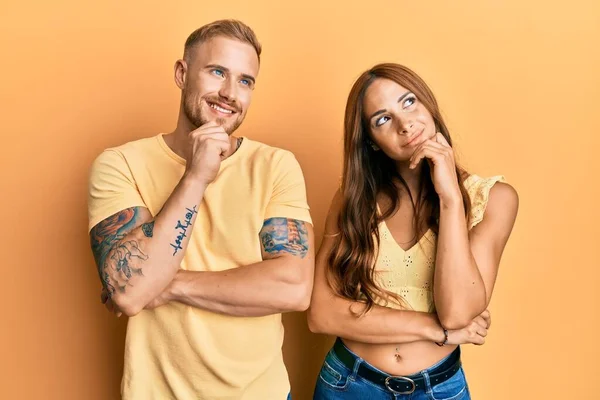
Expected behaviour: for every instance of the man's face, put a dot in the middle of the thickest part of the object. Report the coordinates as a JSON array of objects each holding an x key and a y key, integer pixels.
[{"x": 219, "y": 82}]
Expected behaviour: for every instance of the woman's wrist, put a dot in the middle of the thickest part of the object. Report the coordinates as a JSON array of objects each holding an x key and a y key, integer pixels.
[
  {"x": 444, "y": 340},
  {"x": 452, "y": 202},
  {"x": 435, "y": 333}
]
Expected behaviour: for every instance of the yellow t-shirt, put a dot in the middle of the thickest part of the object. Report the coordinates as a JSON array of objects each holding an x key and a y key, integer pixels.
[
  {"x": 181, "y": 352},
  {"x": 409, "y": 273}
]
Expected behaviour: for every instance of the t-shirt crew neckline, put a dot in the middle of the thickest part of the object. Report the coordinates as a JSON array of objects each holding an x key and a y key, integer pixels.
[{"x": 181, "y": 160}]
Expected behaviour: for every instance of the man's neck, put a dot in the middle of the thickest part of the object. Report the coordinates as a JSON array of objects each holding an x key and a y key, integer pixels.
[{"x": 178, "y": 142}]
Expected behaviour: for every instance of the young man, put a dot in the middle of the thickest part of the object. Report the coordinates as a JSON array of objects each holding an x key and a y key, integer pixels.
[{"x": 203, "y": 238}]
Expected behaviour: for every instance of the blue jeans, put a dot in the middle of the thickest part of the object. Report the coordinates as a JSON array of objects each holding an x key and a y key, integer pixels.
[{"x": 338, "y": 382}]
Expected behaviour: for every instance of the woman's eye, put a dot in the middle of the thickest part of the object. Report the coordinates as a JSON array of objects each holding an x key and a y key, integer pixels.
[
  {"x": 382, "y": 121},
  {"x": 409, "y": 101}
]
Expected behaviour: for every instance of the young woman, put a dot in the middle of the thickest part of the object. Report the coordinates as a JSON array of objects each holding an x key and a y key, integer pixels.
[{"x": 411, "y": 250}]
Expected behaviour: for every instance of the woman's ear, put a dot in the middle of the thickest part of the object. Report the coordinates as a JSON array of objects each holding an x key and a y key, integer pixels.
[{"x": 373, "y": 145}]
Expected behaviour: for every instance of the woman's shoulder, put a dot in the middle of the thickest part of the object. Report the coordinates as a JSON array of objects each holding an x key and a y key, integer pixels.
[{"x": 492, "y": 191}]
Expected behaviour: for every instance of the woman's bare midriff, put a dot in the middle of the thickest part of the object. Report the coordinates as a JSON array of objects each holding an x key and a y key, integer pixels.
[{"x": 413, "y": 357}]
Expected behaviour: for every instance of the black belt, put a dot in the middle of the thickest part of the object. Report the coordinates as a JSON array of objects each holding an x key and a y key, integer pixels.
[{"x": 399, "y": 384}]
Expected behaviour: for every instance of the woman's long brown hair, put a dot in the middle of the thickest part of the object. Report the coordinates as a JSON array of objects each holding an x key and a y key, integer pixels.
[{"x": 368, "y": 173}]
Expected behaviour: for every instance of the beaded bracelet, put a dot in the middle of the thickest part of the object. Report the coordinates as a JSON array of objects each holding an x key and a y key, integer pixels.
[{"x": 445, "y": 339}]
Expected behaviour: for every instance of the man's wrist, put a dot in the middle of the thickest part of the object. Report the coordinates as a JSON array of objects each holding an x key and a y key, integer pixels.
[
  {"x": 192, "y": 181},
  {"x": 177, "y": 286}
]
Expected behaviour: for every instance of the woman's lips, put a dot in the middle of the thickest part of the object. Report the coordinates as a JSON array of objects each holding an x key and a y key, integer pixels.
[{"x": 414, "y": 137}]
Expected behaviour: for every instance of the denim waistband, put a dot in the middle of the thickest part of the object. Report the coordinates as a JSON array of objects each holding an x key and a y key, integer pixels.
[{"x": 437, "y": 373}]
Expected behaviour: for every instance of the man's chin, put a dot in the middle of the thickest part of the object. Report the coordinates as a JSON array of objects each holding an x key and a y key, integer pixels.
[
  {"x": 230, "y": 127},
  {"x": 223, "y": 123},
  {"x": 227, "y": 125}
]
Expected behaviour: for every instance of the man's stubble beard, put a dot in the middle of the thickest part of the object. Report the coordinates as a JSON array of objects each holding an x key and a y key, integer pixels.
[{"x": 193, "y": 111}]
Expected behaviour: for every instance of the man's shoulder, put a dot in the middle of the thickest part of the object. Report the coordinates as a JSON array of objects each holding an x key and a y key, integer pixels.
[
  {"x": 123, "y": 157},
  {"x": 267, "y": 153},
  {"x": 143, "y": 145}
]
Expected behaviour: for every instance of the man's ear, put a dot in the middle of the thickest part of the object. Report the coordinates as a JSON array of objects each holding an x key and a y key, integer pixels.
[{"x": 180, "y": 73}]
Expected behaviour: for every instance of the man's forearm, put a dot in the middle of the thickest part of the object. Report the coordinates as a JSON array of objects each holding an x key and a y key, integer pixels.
[
  {"x": 272, "y": 286},
  {"x": 138, "y": 266}
]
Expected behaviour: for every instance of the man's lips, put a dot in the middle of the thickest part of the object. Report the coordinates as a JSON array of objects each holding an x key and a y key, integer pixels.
[{"x": 221, "y": 107}]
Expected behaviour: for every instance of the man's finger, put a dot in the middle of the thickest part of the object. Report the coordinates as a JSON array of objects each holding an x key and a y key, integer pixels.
[{"x": 210, "y": 123}]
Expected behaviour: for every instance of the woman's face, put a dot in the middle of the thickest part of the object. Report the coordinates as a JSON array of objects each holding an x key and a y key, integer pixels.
[{"x": 398, "y": 122}]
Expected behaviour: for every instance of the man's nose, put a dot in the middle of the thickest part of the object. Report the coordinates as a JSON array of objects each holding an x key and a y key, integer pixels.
[{"x": 227, "y": 90}]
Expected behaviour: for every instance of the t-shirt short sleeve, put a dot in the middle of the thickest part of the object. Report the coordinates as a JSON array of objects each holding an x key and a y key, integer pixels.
[
  {"x": 112, "y": 187},
  {"x": 288, "y": 199}
]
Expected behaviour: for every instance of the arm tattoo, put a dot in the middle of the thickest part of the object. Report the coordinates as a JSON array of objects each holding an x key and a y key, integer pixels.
[
  {"x": 182, "y": 229},
  {"x": 148, "y": 229},
  {"x": 280, "y": 236},
  {"x": 113, "y": 255}
]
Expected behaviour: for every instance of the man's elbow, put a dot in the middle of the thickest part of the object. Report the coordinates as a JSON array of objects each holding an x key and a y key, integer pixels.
[
  {"x": 127, "y": 305},
  {"x": 301, "y": 297},
  {"x": 299, "y": 280}
]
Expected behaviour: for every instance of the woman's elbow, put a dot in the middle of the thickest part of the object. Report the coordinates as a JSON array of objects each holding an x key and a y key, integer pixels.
[
  {"x": 455, "y": 321},
  {"x": 459, "y": 318},
  {"x": 315, "y": 321},
  {"x": 320, "y": 318}
]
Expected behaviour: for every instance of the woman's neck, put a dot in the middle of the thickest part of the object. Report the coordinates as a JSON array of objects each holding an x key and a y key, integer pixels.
[{"x": 412, "y": 177}]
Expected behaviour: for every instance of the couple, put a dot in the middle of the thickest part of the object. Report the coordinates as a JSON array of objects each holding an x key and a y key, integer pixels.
[{"x": 203, "y": 239}]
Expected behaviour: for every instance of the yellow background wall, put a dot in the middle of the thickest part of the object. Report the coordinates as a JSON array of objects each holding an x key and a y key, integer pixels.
[{"x": 518, "y": 81}]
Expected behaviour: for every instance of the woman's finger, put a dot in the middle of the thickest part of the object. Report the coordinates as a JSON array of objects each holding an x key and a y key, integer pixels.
[
  {"x": 427, "y": 152},
  {"x": 441, "y": 140}
]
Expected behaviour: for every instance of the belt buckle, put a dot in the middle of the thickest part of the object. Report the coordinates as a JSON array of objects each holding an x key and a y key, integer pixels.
[{"x": 387, "y": 384}]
